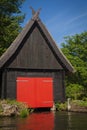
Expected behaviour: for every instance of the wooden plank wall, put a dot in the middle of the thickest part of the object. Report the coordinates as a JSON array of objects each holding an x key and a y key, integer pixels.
[
  {"x": 34, "y": 53},
  {"x": 34, "y": 58},
  {"x": 9, "y": 88}
]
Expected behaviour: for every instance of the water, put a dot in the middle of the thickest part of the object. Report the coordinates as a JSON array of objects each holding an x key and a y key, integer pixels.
[{"x": 46, "y": 121}]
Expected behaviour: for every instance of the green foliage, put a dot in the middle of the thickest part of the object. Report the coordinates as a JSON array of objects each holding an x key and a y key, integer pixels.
[
  {"x": 21, "y": 109},
  {"x": 61, "y": 106},
  {"x": 75, "y": 49},
  {"x": 24, "y": 113},
  {"x": 74, "y": 91},
  {"x": 80, "y": 103},
  {"x": 12, "y": 102},
  {"x": 10, "y": 19}
]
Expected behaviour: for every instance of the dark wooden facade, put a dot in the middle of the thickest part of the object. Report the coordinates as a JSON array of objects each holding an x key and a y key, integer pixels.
[{"x": 33, "y": 54}]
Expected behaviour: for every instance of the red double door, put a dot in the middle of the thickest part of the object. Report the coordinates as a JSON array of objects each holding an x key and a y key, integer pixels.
[{"x": 35, "y": 92}]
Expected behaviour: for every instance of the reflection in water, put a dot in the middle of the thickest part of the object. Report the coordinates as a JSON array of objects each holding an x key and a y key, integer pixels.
[
  {"x": 7, "y": 123},
  {"x": 46, "y": 121},
  {"x": 38, "y": 121},
  {"x": 70, "y": 121},
  {"x": 61, "y": 121},
  {"x": 77, "y": 121}
]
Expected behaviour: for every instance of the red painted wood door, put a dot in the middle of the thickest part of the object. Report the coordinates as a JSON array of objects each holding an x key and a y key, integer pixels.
[{"x": 35, "y": 92}]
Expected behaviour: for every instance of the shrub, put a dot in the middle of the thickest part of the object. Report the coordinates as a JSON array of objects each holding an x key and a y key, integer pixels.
[
  {"x": 24, "y": 113},
  {"x": 61, "y": 106}
]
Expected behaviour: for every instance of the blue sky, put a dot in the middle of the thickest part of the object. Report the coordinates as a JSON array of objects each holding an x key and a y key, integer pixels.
[{"x": 61, "y": 17}]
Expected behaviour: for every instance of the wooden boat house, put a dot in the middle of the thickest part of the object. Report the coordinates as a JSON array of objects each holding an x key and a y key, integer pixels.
[{"x": 33, "y": 68}]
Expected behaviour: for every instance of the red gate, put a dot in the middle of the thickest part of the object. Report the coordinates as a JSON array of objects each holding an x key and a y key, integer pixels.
[{"x": 35, "y": 92}]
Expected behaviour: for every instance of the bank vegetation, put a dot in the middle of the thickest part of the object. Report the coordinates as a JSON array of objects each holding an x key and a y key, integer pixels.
[{"x": 13, "y": 108}]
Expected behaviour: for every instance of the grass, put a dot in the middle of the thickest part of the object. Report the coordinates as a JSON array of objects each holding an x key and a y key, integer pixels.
[{"x": 24, "y": 113}]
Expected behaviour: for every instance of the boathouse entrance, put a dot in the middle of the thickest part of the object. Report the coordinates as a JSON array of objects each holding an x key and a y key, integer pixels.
[{"x": 35, "y": 92}]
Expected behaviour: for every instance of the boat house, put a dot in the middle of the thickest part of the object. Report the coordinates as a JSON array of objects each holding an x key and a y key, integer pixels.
[{"x": 33, "y": 68}]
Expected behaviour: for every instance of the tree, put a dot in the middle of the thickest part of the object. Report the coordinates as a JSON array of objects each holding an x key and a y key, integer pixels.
[
  {"x": 75, "y": 49},
  {"x": 74, "y": 91},
  {"x": 10, "y": 19}
]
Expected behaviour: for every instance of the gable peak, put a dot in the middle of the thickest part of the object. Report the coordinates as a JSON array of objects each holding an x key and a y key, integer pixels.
[{"x": 35, "y": 14}]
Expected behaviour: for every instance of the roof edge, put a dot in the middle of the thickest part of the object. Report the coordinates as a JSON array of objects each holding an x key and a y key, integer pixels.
[
  {"x": 15, "y": 44},
  {"x": 57, "y": 49},
  {"x": 13, "y": 47}
]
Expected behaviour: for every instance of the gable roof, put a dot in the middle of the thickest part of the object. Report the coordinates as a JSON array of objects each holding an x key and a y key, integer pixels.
[{"x": 16, "y": 43}]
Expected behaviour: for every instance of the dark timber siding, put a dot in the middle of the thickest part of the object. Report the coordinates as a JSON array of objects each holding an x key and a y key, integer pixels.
[
  {"x": 9, "y": 88},
  {"x": 35, "y": 53}
]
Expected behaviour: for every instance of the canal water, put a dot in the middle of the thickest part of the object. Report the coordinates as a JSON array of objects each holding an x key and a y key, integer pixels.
[{"x": 46, "y": 121}]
